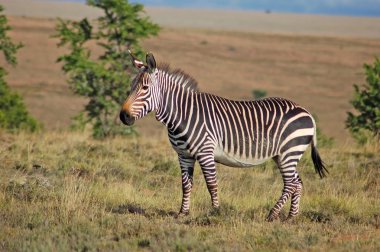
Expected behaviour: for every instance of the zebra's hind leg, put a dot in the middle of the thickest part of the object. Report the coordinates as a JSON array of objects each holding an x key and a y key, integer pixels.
[
  {"x": 292, "y": 187},
  {"x": 296, "y": 197}
]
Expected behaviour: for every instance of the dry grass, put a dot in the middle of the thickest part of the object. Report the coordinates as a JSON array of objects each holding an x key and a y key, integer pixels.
[{"x": 64, "y": 191}]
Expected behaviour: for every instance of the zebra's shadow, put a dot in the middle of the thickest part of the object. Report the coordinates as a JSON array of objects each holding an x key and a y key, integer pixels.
[{"x": 131, "y": 208}]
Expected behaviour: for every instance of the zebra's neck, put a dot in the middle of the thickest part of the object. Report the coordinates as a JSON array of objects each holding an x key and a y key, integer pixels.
[{"x": 177, "y": 93}]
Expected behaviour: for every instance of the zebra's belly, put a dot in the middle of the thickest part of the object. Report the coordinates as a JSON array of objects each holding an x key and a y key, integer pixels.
[{"x": 225, "y": 158}]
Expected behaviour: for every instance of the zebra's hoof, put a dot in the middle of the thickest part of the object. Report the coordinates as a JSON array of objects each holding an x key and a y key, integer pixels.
[
  {"x": 271, "y": 217},
  {"x": 215, "y": 211},
  {"x": 290, "y": 218},
  {"x": 182, "y": 214}
]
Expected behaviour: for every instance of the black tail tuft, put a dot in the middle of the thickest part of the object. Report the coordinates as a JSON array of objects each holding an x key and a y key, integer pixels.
[{"x": 318, "y": 163}]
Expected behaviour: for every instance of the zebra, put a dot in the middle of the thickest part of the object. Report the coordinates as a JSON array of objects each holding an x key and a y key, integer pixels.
[{"x": 210, "y": 129}]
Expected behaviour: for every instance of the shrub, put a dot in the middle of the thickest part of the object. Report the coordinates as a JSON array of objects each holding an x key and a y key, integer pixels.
[
  {"x": 367, "y": 103},
  {"x": 13, "y": 113},
  {"x": 106, "y": 79},
  {"x": 258, "y": 93}
]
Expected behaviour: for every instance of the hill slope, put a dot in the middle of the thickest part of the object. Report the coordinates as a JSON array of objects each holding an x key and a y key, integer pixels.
[
  {"x": 222, "y": 20},
  {"x": 316, "y": 72}
]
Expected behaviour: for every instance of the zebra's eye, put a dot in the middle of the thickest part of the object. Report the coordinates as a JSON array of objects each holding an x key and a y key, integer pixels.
[{"x": 145, "y": 87}]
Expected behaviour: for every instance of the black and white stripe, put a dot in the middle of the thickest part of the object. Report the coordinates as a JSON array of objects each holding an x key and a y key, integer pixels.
[{"x": 210, "y": 129}]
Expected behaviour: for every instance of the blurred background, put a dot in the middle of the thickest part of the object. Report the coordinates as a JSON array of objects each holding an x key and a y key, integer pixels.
[{"x": 309, "y": 52}]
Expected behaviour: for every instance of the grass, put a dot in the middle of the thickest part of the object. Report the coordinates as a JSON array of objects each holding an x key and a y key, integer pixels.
[{"x": 65, "y": 191}]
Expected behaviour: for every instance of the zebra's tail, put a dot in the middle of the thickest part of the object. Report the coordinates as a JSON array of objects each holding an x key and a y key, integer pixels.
[{"x": 319, "y": 165}]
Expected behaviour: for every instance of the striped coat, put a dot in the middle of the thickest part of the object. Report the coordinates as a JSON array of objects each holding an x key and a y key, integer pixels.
[{"x": 210, "y": 129}]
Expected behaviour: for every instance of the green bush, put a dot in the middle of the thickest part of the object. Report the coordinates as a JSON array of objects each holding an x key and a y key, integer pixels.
[
  {"x": 13, "y": 113},
  {"x": 366, "y": 103},
  {"x": 106, "y": 79},
  {"x": 259, "y": 93}
]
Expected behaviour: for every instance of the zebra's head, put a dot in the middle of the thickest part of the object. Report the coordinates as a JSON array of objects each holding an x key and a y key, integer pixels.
[{"x": 139, "y": 101}]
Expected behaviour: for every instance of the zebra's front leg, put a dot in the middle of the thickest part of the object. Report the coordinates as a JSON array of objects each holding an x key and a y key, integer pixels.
[
  {"x": 207, "y": 163},
  {"x": 187, "y": 170}
]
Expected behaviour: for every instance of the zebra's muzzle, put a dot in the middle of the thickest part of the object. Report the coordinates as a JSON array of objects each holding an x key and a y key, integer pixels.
[{"x": 126, "y": 118}]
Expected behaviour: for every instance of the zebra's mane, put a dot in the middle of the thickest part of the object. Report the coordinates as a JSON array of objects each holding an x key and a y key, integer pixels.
[{"x": 186, "y": 80}]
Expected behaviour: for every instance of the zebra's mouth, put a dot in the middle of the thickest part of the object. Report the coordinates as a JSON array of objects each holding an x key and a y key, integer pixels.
[{"x": 126, "y": 118}]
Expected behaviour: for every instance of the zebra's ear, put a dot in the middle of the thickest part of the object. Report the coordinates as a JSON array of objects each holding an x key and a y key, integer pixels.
[
  {"x": 150, "y": 61},
  {"x": 137, "y": 63}
]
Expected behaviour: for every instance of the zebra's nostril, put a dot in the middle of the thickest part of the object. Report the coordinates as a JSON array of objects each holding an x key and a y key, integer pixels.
[{"x": 126, "y": 118}]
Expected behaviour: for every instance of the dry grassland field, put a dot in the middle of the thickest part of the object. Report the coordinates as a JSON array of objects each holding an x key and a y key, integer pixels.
[{"x": 64, "y": 191}]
